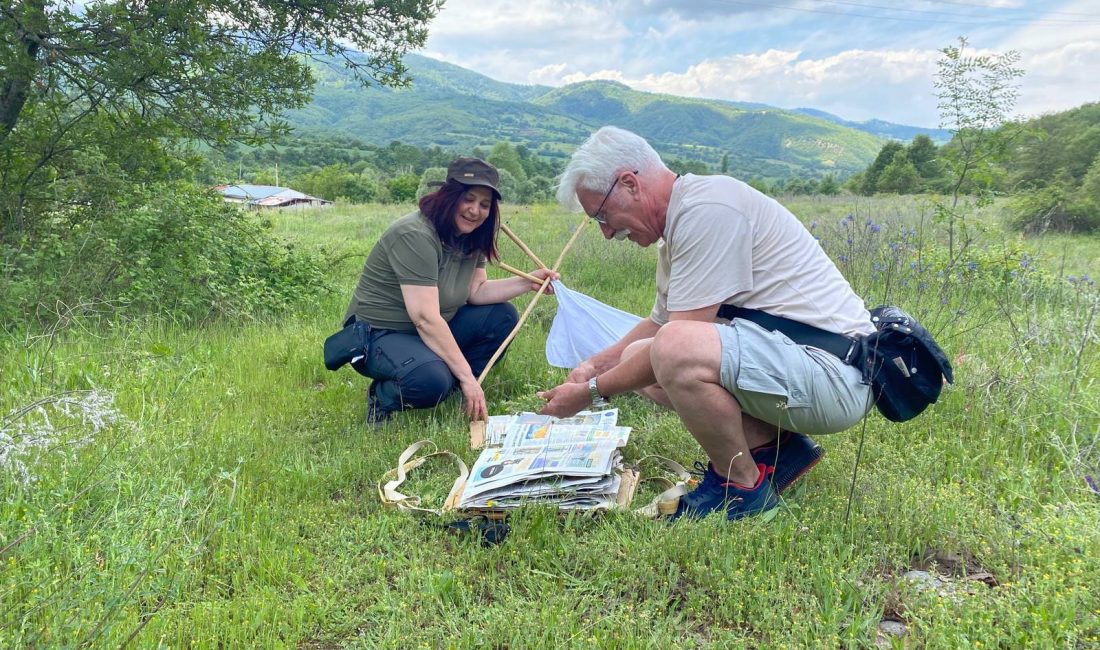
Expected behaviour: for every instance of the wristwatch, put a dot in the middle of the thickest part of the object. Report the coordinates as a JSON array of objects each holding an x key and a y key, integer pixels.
[{"x": 598, "y": 401}]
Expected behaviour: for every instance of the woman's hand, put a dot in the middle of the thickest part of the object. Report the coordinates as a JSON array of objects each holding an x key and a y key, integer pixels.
[
  {"x": 565, "y": 400},
  {"x": 473, "y": 399}
]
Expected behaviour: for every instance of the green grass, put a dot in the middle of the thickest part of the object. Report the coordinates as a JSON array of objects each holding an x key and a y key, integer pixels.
[{"x": 234, "y": 502}]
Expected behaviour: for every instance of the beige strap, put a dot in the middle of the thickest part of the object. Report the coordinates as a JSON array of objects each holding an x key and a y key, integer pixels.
[
  {"x": 408, "y": 461},
  {"x": 666, "y": 502}
]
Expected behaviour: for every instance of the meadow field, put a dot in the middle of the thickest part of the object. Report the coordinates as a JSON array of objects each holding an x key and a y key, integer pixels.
[{"x": 215, "y": 486}]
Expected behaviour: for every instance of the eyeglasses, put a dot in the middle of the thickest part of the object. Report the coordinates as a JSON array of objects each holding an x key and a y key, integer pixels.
[{"x": 598, "y": 215}]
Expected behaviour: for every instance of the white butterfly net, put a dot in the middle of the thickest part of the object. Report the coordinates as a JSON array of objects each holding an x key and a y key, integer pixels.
[{"x": 582, "y": 327}]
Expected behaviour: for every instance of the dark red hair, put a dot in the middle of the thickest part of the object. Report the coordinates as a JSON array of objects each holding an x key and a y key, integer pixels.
[{"x": 440, "y": 207}]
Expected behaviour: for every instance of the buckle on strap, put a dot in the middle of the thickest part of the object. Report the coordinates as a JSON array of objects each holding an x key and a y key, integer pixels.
[{"x": 849, "y": 357}]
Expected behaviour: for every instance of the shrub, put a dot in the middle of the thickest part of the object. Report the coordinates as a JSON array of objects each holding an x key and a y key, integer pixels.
[
  {"x": 169, "y": 250},
  {"x": 403, "y": 188},
  {"x": 430, "y": 180},
  {"x": 1057, "y": 207}
]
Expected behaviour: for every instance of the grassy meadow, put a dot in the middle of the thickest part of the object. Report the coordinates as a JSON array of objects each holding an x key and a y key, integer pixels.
[{"x": 215, "y": 487}]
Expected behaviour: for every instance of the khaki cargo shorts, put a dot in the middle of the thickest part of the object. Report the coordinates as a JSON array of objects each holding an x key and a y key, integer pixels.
[{"x": 797, "y": 387}]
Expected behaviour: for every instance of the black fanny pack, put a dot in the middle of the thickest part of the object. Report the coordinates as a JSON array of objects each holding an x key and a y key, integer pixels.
[
  {"x": 347, "y": 345},
  {"x": 904, "y": 365}
]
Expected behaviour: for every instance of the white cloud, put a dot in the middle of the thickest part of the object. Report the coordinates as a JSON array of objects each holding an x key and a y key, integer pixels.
[
  {"x": 548, "y": 75},
  {"x": 1060, "y": 78},
  {"x": 837, "y": 83},
  {"x": 1061, "y": 62},
  {"x": 772, "y": 54}
]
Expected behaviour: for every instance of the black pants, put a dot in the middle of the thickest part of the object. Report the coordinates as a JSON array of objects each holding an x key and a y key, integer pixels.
[{"x": 409, "y": 375}]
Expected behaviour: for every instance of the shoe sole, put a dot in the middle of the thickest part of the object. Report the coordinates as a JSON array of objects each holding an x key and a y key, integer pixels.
[{"x": 782, "y": 481}]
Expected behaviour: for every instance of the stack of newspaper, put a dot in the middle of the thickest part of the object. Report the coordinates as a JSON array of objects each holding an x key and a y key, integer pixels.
[{"x": 573, "y": 463}]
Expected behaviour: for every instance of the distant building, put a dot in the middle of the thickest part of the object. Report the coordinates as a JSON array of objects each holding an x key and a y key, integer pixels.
[{"x": 269, "y": 196}]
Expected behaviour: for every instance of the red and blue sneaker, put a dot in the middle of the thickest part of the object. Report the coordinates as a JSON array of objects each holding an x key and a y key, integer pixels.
[{"x": 717, "y": 493}]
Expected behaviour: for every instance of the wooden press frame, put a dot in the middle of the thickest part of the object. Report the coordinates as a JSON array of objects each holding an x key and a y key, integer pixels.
[{"x": 477, "y": 427}]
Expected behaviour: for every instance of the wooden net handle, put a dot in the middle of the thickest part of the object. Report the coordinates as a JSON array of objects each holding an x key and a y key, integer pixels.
[{"x": 531, "y": 306}]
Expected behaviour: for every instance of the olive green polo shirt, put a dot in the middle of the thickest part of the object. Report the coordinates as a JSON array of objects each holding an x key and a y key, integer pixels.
[{"x": 410, "y": 252}]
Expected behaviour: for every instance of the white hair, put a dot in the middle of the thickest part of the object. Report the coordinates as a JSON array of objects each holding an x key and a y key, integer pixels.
[{"x": 605, "y": 154}]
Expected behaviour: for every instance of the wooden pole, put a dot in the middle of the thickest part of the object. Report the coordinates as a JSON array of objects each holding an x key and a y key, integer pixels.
[
  {"x": 511, "y": 235},
  {"x": 523, "y": 274}
]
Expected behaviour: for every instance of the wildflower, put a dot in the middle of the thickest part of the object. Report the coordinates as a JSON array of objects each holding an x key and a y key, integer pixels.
[
  {"x": 30, "y": 433},
  {"x": 971, "y": 265},
  {"x": 813, "y": 224},
  {"x": 1072, "y": 279},
  {"x": 875, "y": 228}
]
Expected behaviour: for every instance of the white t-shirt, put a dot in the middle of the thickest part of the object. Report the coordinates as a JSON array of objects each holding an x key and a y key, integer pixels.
[{"x": 724, "y": 242}]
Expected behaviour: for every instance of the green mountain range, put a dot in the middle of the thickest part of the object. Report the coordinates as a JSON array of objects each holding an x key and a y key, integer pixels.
[{"x": 458, "y": 109}]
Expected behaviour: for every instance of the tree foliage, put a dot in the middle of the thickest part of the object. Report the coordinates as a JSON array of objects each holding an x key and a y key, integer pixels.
[
  {"x": 874, "y": 170},
  {"x": 900, "y": 176},
  {"x": 107, "y": 112},
  {"x": 84, "y": 76},
  {"x": 1056, "y": 172},
  {"x": 976, "y": 95},
  {"x": 504, "y": 157}
]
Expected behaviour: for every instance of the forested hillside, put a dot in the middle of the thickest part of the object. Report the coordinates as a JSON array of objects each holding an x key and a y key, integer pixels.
[
  {"x": 1050, "y": 165},
  {"x": 454, "y": 108}
]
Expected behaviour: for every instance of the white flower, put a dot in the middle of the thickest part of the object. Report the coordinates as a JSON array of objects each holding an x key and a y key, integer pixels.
[{"x": 57, "y": 424}]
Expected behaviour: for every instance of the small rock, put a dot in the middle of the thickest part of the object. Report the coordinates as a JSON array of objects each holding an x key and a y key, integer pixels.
[
  {"x": 922, "y": 579},
  {"x": 887, "y": 631}
]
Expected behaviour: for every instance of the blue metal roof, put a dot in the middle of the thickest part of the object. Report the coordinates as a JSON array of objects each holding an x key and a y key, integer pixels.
[{"x": 254, "y": 192}]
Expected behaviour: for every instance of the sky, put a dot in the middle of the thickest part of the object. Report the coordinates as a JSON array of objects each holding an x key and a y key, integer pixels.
[{"x": 857, "y": 59}]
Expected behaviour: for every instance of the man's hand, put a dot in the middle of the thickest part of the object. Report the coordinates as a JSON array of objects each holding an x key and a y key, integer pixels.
[
  {"x": 565, "y": 400},
  {"x": 583, "y": 372}
]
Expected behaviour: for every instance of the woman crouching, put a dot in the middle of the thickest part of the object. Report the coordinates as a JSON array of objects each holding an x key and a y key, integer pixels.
[{"x": 434, "y": 317}]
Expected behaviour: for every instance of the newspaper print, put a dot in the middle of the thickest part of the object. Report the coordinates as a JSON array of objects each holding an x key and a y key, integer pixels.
[{"x": 567, "y": 462}]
